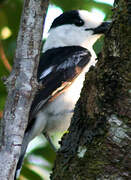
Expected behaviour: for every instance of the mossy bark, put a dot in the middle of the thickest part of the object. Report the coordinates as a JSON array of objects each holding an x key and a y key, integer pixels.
[{"x": 98, "y": 143}]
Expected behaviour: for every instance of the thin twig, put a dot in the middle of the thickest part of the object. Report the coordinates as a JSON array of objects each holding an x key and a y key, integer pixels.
[
  {"x": 4, "y": 59},
  {"x": 1, "y": 114}
]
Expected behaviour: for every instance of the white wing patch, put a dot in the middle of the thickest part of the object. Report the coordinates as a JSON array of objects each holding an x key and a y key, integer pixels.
[
  {"x": 46, "y": 72},
  {"x": 78, "y": 57},
  {"x": 74, "y": 60},
  {"x": 66, "y": 64}
]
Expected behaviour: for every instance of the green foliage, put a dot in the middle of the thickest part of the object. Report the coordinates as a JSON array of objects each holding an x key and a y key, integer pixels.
[
  {"x": 30, "y": 174},
  {"x": 10, "y": 12},
  {"x": 50, "y": 156},
  {"x": 83, "y": 4}
]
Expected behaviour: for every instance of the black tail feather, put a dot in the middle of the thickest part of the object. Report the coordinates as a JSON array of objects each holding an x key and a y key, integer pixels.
[
  {"x": 21, "y": 158},
  {"x": 18, "y": 167}
]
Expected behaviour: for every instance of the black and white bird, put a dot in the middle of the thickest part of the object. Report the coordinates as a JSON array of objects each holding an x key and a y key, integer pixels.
[{"x": 66, "y": 57}]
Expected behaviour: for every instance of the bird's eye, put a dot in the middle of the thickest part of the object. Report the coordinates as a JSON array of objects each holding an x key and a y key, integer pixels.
[{"x": 78, "y": 22}]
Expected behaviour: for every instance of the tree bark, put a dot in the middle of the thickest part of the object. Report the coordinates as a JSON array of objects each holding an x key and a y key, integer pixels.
[
  {"x": 98, "y": 144},
  {"x": 21, "y": 85}
]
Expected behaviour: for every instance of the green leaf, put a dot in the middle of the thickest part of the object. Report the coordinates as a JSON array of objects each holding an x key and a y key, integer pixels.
[
  {"x": 45, "y": 152},
  {"x": 98, "y": 45},
  {"x": 30, "y": 174}
]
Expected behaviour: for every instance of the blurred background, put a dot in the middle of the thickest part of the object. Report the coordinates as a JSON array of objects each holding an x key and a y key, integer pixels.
[{"x": 40, "y": 157}]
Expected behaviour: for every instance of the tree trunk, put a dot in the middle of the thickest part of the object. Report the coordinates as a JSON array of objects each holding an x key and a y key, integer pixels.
[
  {"x": 21, "y": 85},
  {"x": 98, "y": 145}
]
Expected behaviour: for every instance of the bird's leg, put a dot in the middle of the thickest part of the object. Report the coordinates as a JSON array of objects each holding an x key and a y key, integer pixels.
[{"x": 49, "y": 140}]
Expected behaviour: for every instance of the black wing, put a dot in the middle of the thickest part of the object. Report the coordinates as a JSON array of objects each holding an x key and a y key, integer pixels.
[{"x": 57, "y": 69}]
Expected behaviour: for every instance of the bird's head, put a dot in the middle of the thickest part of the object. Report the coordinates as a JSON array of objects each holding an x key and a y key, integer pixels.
[{"x": 75, "y": 28}]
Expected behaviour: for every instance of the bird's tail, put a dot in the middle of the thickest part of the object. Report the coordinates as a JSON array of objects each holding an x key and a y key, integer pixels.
[
  {"x": 21, "y": 158},
  {"x": 19, "y": 165}
]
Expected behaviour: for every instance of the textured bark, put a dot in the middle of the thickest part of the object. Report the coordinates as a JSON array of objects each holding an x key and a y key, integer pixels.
[
  {"x": 21, "y": 85},
  {"x": 98, "y": 145}
]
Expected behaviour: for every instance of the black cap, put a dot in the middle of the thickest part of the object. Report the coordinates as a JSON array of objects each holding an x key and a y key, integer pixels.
[{"x": 69, "y": 17}]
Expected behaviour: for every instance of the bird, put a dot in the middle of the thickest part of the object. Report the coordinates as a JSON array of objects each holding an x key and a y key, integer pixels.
[{"x": 66, "y": 56}]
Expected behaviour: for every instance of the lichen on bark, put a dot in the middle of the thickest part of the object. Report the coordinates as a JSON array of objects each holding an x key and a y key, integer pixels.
[{"x": 100, "y": 127}]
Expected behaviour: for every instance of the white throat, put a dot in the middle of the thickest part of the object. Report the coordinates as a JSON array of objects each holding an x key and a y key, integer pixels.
[{"x": 70, "y": 35}]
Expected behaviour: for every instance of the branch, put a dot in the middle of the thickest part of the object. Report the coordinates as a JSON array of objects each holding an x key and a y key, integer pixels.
[{"x": 21, "y": 85}]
